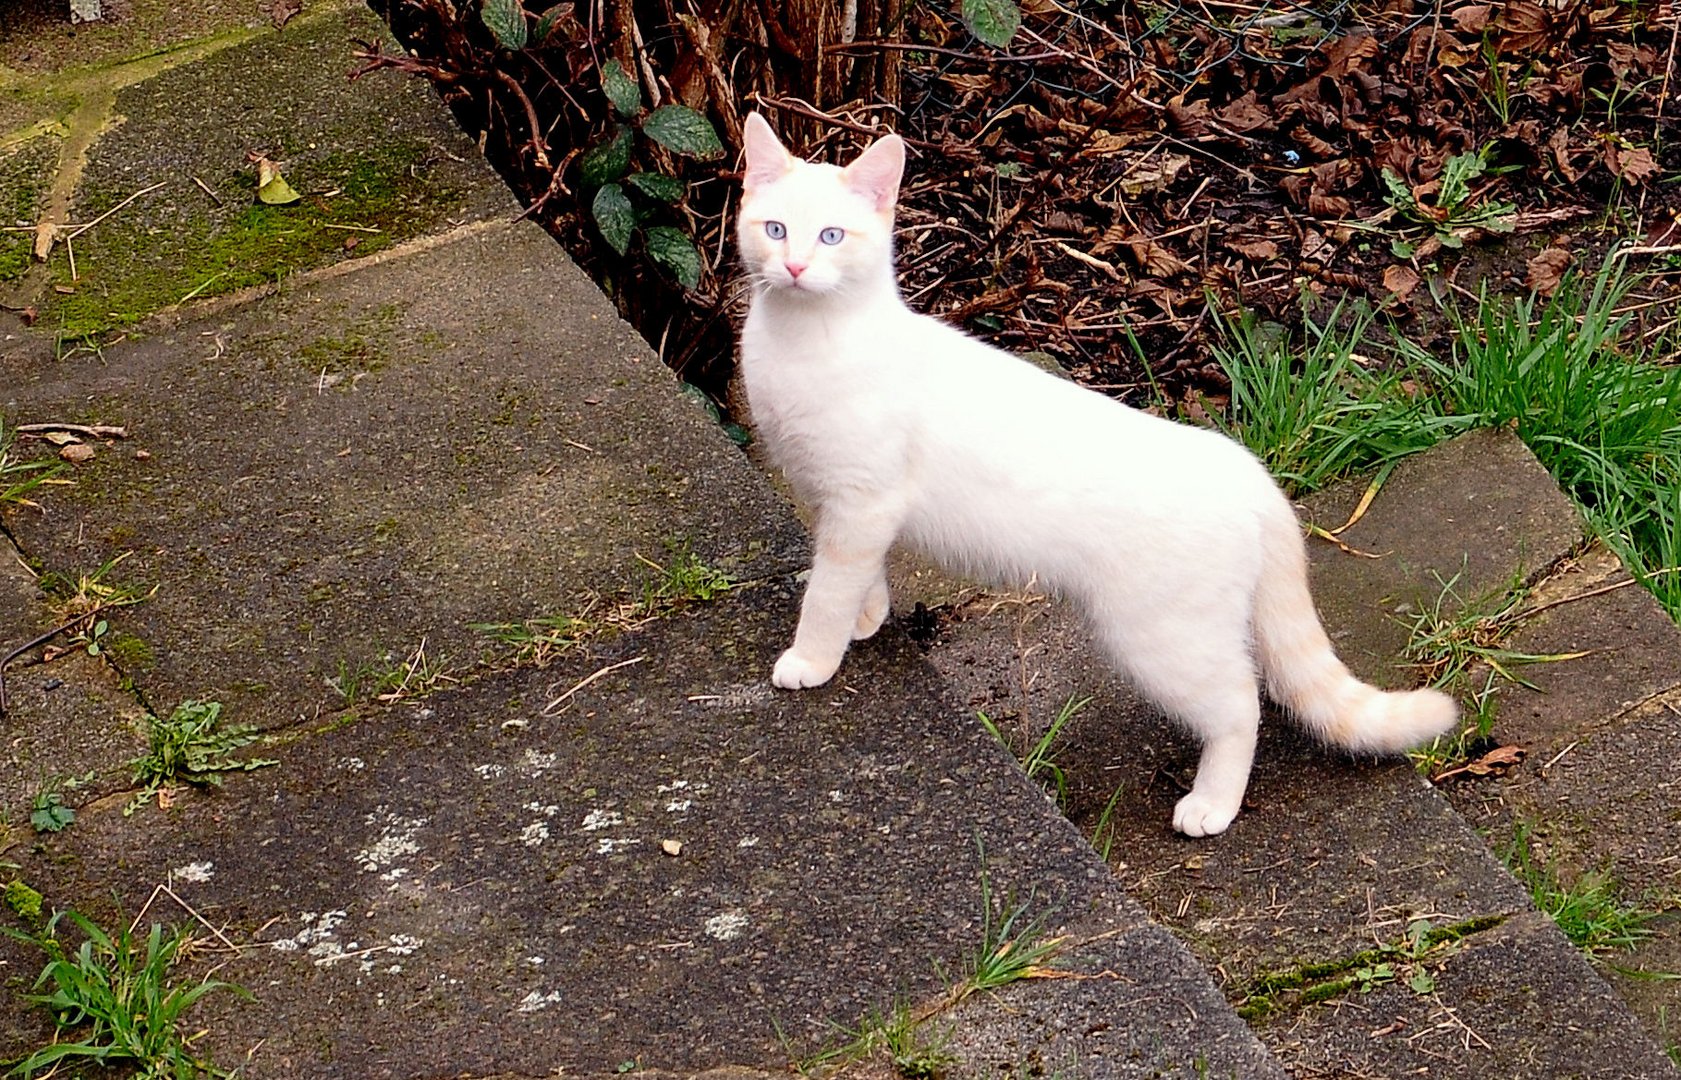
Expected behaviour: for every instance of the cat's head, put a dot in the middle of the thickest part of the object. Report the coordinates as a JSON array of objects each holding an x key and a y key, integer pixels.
[{"x": 817, "y": 230}]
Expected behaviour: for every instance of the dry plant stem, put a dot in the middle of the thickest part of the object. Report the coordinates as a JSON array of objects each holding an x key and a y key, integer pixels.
[
  {"x": 806, "y": 109},
  {"x": 94, "y": 431},
  {"x": 84, "y": 228}
]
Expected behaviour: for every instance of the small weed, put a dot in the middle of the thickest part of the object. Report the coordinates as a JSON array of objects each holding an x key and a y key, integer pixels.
[
  {"x": 1039, "y": 761},
  {"x": 684, "y": 579},
  {"x": 23, "y": 901},
  {"x": 190, "y": 747},
  {"x": 895, "y": 1036},
  {"x": 19, "y": 478},
  {"x": 90, "y": 592},
  {"x": 1590, "y": 910},
  {"x": 389, "y": 680},
  {"x": 1103, "y": 833},
  {"x": 1452, "y": 207},
  {"x": 1671, "y": 1043},
  {"x": 539, "y": 640},
  {"x": 114, "y": 1001},
  {"x": 1013, "y": 946},
  {"x": 47, "y": 812},
  {"x": 1453, "y": 634}
]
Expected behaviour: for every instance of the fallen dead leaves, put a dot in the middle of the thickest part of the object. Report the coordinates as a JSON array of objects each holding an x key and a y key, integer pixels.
[{"x": 1497, "y": 762}]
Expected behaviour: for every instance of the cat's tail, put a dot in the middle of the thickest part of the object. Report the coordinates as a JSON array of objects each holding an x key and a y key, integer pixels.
[{"x": 1302, "y": 670}]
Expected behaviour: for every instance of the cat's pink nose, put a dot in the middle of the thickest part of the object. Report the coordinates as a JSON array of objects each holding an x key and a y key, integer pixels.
[{"x": 795, "y": 269}]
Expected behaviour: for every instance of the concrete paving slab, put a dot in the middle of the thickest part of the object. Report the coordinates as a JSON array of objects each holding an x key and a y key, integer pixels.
[
  {"x": 1633, "y": 647},
  {"x": 465, "y": 434},
  {"x": 82, "y": 728},
  {"x": 1492, "y": 997},
  {"x": 1478, "y": 508},
  {"x": 473, "y": 884},
  {"x": 1612, "y": 805}
]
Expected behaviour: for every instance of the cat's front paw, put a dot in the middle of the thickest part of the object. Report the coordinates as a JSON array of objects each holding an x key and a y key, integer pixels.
[
  {"x": 1199, "y": 815},
  {"x": 796, "y": 672}
]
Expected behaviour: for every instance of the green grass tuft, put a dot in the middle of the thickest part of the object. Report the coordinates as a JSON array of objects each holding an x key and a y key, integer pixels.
[
  {"x": 114, "y": 1001},
  {"x": 1590, "y": 910}
]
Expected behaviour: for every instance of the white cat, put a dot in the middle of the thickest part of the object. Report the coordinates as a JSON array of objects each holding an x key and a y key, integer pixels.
[{"x": 1176, "y": 544}]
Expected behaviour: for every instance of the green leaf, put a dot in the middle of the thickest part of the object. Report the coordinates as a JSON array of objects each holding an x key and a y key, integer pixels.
[
  {"x": 675, "y": 254},
  {"x": 607, "y": 161},
  {"x": 993, "y": 21},
  {"x": 681, "y": 129},
  {"x": 621, "y": 89},
  {"x": 275, "y": 191},
  {"x": 50, "y": 814},
  {"x": 614, "y": 216},
  {"x": 1422, "y": 982},
  {"x": 546, "y": 24},
  {"x": 657, "y": 186},
  {"x": 505, "y": 19}
]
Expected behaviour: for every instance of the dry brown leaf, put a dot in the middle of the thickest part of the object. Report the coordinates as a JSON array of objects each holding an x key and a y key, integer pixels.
[
  {"x": 1153, "y": 173},
  {"x": 1633, "y": 164},
  {"x": 77, "y": 453},
  {"x": 1497, "y": 762},
  {"x": 1259, "y": 250},
  {"x": 1155, "y": 258},
  {"x": 280, "y": 12},
  {"x": 1400, "y": 281},
  {"x": 45, "y": 233},
  {"x": 1471, "y": 18},
  {"x": 1546, "y": 269},
  {"x": 1526, "y": 27},
  {"x": 1245, "y": 114}
]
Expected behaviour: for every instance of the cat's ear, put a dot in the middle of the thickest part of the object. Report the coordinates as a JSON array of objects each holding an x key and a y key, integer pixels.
[
  {"x": 767, "y": 160},
  {"x": 877, "y": 171}
]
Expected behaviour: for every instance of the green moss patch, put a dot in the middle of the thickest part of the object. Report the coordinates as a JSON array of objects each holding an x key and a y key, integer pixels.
[
  {"x": 353, "y": 204},
  {"x": 1404, "y": 961},
  {"x": 24, "y": 174}
]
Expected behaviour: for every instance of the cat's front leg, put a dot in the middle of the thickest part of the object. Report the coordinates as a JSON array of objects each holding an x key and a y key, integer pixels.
[
  {"x": 877, "y": 603},
  {"x": 848, "y": 577}
]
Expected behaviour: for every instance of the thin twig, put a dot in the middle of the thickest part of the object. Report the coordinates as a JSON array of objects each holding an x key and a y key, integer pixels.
[
  {"x": 92, "y": 431},
  {"x": 548, "y": 710},
  {"x": 84, "y": 228}
]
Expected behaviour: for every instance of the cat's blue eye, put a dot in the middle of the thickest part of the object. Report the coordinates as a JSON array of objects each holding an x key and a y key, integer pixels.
[
  {"x": 832, "y": 235},
  {"x": 775, "y": 230}
]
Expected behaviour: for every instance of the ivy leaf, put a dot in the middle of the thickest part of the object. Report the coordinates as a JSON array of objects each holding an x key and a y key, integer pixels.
[
  {"x": 505, "y": 19},
  {"x": 681, "y": 129},
  {"x": 547, "y": 22},
  {"x": 657, "y": 186},
  {"x": 675, "y": 254},
  {"x": 1422, "y": 982},
  {"x": 608, "y": 161},
  {"x": 621, "y": 89},
  {"x": 993, "y": 21},
  {"x": 614, "y": 216}
]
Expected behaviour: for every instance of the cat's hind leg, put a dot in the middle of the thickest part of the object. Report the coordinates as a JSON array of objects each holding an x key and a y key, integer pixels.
[{"x": 1201, "y": 675}]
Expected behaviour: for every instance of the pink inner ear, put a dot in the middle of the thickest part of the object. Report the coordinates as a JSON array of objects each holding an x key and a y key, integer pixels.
[
  {"x": 877, "y": 171},
  {"x": 767, "y": 160}
]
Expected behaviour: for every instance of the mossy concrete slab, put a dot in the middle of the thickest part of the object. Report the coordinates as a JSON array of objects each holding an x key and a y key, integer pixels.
[
  {"x": 479, "y": 883},
  {"x": 26, "y": 171},
  {"x": 1495, "y": 997},
  {"x": 377, "y": 161},
  {"x": 1632, "y": 647},
  {"x": 37, "y": 37},
  {"x": 321, "y": 481},
  {"x": 1476, "y": 511}
]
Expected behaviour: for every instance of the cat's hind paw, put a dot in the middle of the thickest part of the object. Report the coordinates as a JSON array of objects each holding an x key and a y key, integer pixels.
[
  {"x": 1198, "y": 815},
  {"x": 796, "y": 672}
]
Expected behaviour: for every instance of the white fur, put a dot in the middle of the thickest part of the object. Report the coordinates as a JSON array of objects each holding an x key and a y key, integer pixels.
[{"x": 1185, "y": 557}]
